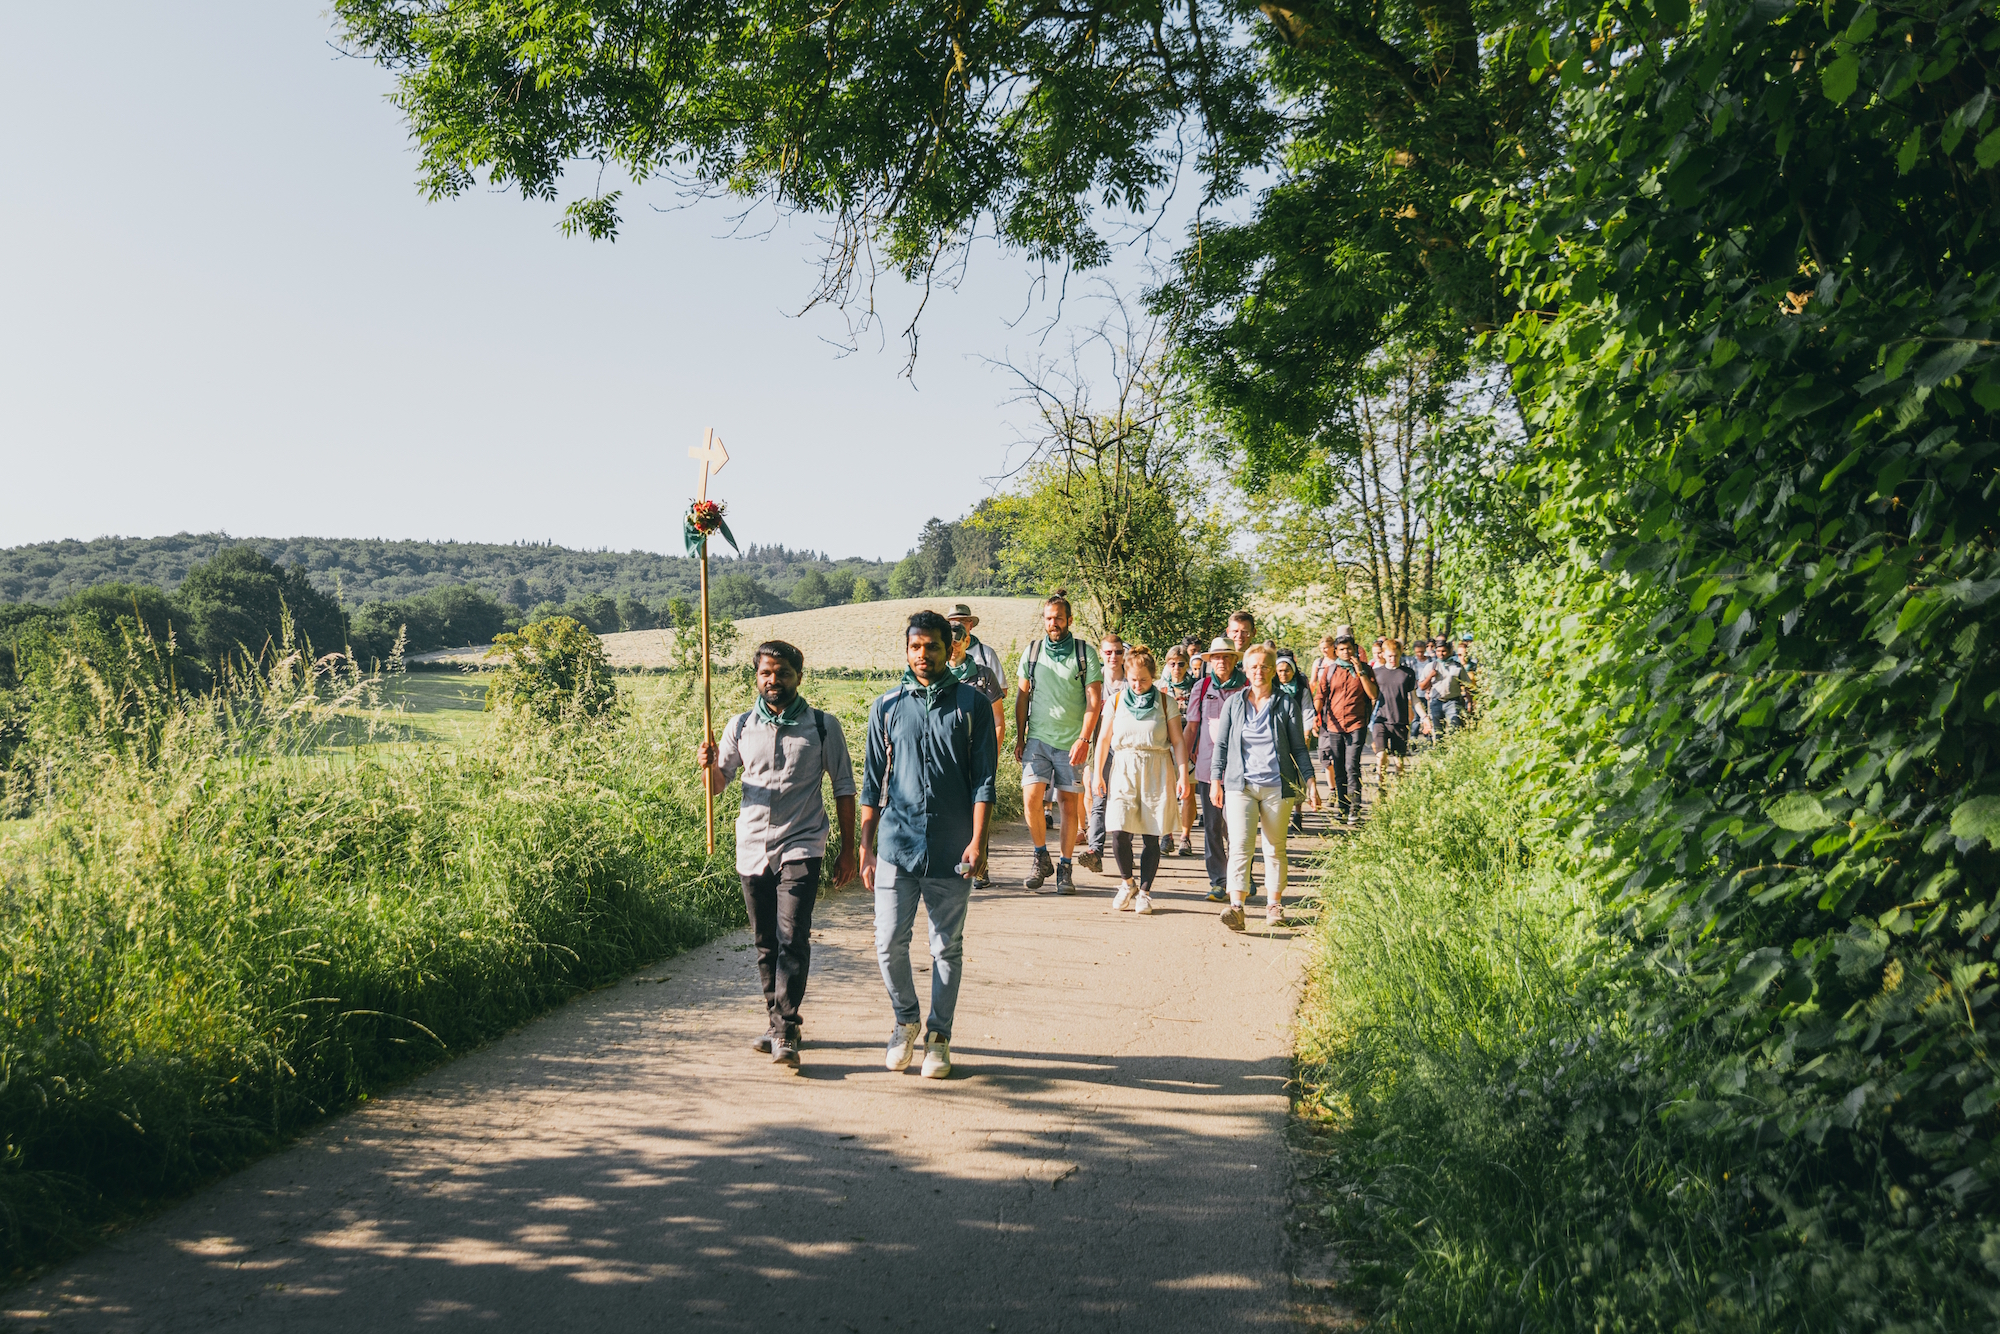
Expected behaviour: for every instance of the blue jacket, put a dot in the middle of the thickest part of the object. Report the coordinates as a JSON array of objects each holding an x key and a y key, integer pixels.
[
  {"x": 928, "y": 764},
  {"x": 1294, "y": 760}
]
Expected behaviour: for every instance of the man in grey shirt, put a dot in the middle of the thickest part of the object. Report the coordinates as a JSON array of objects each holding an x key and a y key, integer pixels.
[{"x": 782, "y": 746}]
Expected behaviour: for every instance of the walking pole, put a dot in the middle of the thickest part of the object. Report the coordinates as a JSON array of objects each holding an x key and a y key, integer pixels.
[
  {"x": 707, "y": 699},
  {"x": 703, "y": 519}
]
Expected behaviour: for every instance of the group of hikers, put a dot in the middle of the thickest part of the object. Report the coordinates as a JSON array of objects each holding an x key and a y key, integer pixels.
[{"x": 1135, "y": 749}]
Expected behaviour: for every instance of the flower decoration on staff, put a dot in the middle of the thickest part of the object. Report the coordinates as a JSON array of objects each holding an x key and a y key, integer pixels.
[{"x": 703, "y": 518}]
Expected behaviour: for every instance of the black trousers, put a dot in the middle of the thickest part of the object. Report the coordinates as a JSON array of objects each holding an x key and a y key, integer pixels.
[
  {"x": 1149, "y": 856},
  {"x": 1214, "y": 839},
  {"x": 780, "y": 904},
  {"x": 1342, "y": 753}
]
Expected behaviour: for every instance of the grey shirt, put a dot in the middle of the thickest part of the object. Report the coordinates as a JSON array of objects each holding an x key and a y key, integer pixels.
[{"x": 783, "y": 818}]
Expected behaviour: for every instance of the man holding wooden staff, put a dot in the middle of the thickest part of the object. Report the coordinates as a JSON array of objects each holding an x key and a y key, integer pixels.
[{"x": 782, "y": 746}]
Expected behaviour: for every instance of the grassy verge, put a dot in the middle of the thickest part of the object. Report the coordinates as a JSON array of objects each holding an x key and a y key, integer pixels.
[
  {"x": 1496, "y": 1144},
  {"x": 209, "y": 943},
  {"x": 204, "y": 952}
]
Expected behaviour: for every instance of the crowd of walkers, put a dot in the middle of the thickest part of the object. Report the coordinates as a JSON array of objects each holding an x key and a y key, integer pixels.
[{"x": 1123, "y": 751}]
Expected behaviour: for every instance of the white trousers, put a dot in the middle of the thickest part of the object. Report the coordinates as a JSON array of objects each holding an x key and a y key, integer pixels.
[{"x": 1273, "y": 814}]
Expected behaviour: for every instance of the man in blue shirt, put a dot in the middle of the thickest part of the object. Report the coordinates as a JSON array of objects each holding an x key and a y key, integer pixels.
[{"x": 927, "y": 790}]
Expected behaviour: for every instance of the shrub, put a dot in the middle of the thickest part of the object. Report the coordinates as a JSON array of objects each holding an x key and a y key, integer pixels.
[
  {"x": 554, "y": 671},
  {"x": 722, "y": 636},
  {"x": 865, "y": 590},
  {"x": 442, "y": 618}
]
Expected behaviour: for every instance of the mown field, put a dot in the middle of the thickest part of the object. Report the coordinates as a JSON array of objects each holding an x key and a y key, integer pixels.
[
  {"x": 216, "y": 930},
  {"x": 863, "y": 636}
]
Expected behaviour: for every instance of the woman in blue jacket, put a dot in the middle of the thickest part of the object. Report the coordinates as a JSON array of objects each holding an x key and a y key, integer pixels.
[{"x": 1259, "y": 766}]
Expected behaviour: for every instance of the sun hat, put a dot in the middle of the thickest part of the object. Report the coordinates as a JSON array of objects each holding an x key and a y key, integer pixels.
[
  {"x": 961, "y": 612},
  {"x": 1221, "y": 645}
]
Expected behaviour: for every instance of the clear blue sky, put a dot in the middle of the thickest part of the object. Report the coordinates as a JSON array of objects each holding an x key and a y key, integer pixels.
[{"x": 227, "y": 306}]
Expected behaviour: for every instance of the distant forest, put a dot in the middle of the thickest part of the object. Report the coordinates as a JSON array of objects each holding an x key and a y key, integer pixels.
[
  {"x": 356, "y": 571},
  {"x": 223, "y": 594}
]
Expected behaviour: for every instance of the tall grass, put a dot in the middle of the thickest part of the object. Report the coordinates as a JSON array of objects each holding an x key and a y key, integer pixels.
[
  {"x": 211, "y": 940},
  {"x": 1496, "y": 1151}
]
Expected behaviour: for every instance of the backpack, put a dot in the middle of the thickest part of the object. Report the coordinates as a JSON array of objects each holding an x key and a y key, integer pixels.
[
  {"x": 819, "y": 722},
  {"x": 1035, "y": 660}
]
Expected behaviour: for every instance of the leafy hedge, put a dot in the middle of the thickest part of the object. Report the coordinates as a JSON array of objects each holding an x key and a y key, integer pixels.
[{"x": 1759, "y": 360}]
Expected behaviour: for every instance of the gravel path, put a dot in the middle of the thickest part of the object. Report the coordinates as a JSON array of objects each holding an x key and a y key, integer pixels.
[{"x": 1109, "y": 1154}]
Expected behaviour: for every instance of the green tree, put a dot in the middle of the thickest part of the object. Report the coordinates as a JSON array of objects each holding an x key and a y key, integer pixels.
[
  {"x": 634, "y": 614},
  {"x": 1118, "y": 503},
  {"x": 237, "y": 601},
  {"x": 910, "y": 578},
  {"x": 811, "y": 591},
  {"x": 865, "y": 590},
  {"x": 911, "y": 123},
  {"x": 553, "y": 671},
  {"x": 735, "y": 595}
]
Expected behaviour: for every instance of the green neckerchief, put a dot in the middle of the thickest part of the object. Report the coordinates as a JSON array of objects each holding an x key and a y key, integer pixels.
[
  {"x": 961, "y": 670},
  {"x": 1291, "y": 688},
  {"x": 1062, "y": 650},
  {"x": 1236, "y": 680},
  {"x": 793, "y": 712},
  {"x": 1141, "y": 706},
  {"x": 1182, "y": 686},
  {"x": 931, "y": 693}
]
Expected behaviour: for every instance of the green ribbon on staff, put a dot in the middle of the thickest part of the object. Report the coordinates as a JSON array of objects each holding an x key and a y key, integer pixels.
[{"x": 692, "y": 535}]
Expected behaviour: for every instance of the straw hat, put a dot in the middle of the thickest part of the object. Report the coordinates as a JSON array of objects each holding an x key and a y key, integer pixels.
[
  {"x": 1221, "y": 645},
  {"x": 961, "y": 612},
  {"x": 1343, "y": 634}
]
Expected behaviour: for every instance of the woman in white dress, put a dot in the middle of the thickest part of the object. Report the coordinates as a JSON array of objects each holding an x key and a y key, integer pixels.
[{"x": 1146, "y": 780}]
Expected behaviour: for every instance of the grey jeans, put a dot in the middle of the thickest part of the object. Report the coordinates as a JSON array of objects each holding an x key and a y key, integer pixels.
[{"x": 945, "y": 899}]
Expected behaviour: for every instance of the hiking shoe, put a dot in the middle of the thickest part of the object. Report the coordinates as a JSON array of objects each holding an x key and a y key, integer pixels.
[
  {"x": 1218, "y": 894},
  {"x": 937, "y": 1057},
  {"x": 785, "y": 1047},
  {"x": 1187, "y": 847},
  {"x": 1065, "y": 879},
  {"x": 1143, "y": 904},
  {"x": 1044, "y": 868},
  {"x": 1274, "y": 914},
  {"x": 763, "y": 1043},
  {"x": 1091, "y": 860},
  {"x": 1126, "y": 892},
  {"x": 1232, "y": 917},
  {"x": 902, "y": 1046}
]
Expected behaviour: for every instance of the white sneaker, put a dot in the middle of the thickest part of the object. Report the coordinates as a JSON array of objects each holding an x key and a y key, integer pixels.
[
  {"x": 902, "y": 1047},
  {"x": 1124, "y": 896},
  {"x": 1143, "y": 904},
  {"x": 937, "y": 1056}
]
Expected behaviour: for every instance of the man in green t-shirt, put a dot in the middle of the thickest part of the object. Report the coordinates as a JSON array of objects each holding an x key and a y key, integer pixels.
[{"x": 1055, "y": 715}]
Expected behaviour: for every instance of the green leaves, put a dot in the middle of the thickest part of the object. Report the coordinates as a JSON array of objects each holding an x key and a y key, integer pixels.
[
  {"x": 1783, "y": 726},
  {"x": 1977, "y": 821},
  {"x": 1838, "y": 79},
  {"x": 1798, "y": 812}
]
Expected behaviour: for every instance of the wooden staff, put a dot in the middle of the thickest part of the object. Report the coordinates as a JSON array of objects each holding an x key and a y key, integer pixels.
[{"x": 711, "y": 456}]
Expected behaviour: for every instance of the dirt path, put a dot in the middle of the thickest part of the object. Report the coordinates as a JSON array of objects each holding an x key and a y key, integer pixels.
[{"x": 1109, "y": 1154}]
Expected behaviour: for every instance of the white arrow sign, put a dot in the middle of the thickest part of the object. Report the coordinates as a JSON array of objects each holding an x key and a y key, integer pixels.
[{"x": 712, "y": 456}]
